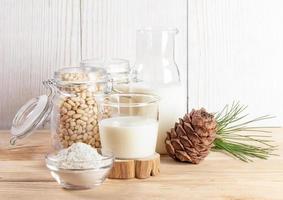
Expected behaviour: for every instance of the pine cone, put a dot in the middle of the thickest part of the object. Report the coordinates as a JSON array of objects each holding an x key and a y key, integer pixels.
[{"x": 191, "y": 139}]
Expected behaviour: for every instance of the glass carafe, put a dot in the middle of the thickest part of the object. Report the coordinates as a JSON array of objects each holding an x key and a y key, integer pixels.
[{"x": 158, "y": 72}]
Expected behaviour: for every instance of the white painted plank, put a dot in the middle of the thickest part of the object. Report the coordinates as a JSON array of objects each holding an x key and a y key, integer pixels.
[
  {"x": 36, "y": 38},
  {"x": 235, "y": 53},
  {"x": 109, "y": 27}
]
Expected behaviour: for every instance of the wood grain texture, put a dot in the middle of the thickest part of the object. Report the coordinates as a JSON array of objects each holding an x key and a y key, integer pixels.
[
  {"x": 39, "y": 36},
  {"x": 219, "y": 177},
  {"x": 234, "y": 53},
  {"x": 36, "y": 38},
  {"x": 234, "y": 47},
  {"x": 109, "y": 27},
  {"x": 136, "y": 168}
]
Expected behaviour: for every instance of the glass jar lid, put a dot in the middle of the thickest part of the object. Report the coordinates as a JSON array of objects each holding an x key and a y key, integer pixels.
[
  {"x": 80, "y": 75},
  {"x": 32, "y": 114},
  {"x": 29, "y": 117},
  {"x": 118, "y": 70}
]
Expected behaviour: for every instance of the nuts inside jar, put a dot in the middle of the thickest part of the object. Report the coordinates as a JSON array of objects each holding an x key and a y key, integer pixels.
[{"x": 78, "y": 113}]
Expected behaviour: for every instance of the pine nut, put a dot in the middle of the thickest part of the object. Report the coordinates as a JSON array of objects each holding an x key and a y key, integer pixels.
[
  {"x": 77, "y": 120},
  {"x": 71, "y": 112},
  {"x": 76, "y": 116}
]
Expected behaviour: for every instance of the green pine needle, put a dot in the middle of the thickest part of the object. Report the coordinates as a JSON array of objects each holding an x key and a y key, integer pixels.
[{"x": 247, "y": 146}]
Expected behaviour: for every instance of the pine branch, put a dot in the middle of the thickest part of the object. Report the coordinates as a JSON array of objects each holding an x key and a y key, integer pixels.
[{"x": 244, "y": 147}]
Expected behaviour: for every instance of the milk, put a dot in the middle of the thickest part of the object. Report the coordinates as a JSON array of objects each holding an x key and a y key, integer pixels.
[
  {"x": 172, "y": 106},
  {"x": 129, "y": 137}
]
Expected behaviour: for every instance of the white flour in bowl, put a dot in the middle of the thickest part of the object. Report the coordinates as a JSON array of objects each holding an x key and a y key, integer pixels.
[{"x": 79, "y": 156}]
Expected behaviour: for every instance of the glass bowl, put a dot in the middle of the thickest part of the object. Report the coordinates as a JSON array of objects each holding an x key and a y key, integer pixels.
[{"x": 81, "y": 178}]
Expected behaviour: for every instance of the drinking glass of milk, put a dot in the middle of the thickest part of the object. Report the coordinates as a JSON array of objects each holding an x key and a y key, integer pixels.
[{"x": 130, "y": 127}]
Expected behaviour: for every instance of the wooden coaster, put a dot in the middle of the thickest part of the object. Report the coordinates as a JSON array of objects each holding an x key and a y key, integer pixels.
[{"x": 139, "y": 168}]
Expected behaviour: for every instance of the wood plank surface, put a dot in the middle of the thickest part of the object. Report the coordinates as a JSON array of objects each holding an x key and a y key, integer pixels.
[
  {"x": 109, "y": 27},
  {"x": 23, "y": 175},
  {"x": 235, "y": 53},
  {"x": 234, "y": 47},
  {"x": 37, "y": 37}
]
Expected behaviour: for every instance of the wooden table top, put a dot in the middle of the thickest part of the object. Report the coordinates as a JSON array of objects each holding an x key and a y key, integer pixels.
[{"x": 23, "y": 175}]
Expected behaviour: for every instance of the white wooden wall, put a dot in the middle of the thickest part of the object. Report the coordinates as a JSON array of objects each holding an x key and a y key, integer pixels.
[
  {"x": 236, "y": 53},
  {"x": 232, "y": 48},
  {"x": 36, "y": 37},
  {"x": 39, "y": 36}
]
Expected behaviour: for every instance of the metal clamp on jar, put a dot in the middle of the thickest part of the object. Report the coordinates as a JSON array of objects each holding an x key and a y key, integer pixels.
[{"x": 71, "y": 105}]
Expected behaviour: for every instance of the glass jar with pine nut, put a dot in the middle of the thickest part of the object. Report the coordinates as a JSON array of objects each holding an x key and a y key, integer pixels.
[
  {"x": 74, "y": 115},
  {"x": 71, "y": 104}
]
